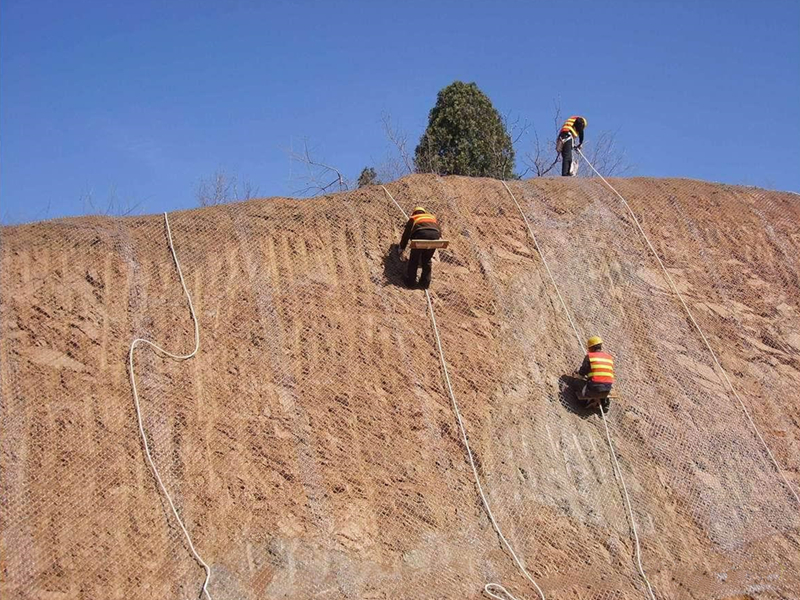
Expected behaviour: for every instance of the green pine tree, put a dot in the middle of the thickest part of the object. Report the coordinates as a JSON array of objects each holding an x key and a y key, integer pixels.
[
  {"x": 368, "y": 177},
  {"x": 465, "y": 136}
]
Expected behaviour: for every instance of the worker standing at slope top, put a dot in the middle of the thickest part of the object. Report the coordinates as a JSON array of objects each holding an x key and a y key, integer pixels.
[
  {"x": 421, "y": 225},
  {"x": 598, "y": 369},
  {"x": 573, "y": 128}
]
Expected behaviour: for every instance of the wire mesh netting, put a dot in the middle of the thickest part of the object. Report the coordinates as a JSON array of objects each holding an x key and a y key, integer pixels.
[{"x": 311, "y": 447}]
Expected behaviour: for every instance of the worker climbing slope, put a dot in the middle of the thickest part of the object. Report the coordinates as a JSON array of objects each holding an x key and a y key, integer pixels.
[
  {"x": 598, "y": 371},
  {"x": 572, "y": 129},
  {"x": 421, "y": 225}
]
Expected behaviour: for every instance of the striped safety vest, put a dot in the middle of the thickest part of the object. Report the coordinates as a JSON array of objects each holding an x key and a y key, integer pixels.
[
  {"x": 569, "y": 126},
  {"x": 602, "y": 365},
  {"x": 424, "y": 221}
]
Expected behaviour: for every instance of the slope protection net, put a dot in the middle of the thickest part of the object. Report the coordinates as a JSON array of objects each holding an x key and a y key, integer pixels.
[{"x": 310, "y": 446}]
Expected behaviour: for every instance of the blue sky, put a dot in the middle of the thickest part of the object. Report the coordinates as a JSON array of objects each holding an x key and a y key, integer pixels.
[{"x": 140, "y": 100}]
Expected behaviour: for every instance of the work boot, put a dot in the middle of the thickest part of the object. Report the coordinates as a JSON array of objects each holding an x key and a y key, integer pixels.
[
  {"x": 606, "y": 404},
  {"x": 425, "y": 278}
]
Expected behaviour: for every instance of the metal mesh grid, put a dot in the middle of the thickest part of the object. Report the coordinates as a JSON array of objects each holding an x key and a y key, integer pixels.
[{"x": 310, "y": 446}]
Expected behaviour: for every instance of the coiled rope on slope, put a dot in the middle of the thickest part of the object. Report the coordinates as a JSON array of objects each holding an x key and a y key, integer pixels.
[
  {"x": 489, "y": 588},
  {"x": 674, "y": 288},
  {"x": 617, "y": 468},
  {"x": 179, "y": 357}
]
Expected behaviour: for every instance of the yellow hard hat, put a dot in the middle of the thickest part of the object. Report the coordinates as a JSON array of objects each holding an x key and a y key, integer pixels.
[
  {"x": 418, "y": 209},
  {"x": 593, "y": 341}
]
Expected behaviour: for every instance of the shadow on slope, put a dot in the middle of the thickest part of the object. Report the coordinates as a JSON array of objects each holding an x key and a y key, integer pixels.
[
  {"x": 569, "y": 399},
  {"x": 394, "y": 267}
]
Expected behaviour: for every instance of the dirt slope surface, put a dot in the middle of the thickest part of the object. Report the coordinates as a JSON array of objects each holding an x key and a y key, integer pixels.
[{"x": 311, "y": 446}]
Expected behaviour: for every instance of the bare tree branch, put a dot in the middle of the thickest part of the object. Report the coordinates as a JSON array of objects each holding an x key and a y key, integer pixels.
[
  {"x": 557, "y": 122},
  {"x": 7, "y": 218},
  {"x": 425, "y": 161},
  {"x": 606, "y": 156},
  {"x": 222, "y": 188},
  {"x": 248, "y": 191},
  {"x": 516, "y": 130},
  {"x": 400, "y": 141},
  {"x": 317, "y": 173},
  {"x": 538, "y": 160},
  {"x": 114, "y": 206}
]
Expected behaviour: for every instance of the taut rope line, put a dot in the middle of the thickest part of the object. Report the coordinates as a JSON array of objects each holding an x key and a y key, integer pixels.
[
  {"x": 178, "y": 357},
  {"x": 546, "y": 266},
  {"x": 617, "y": 468},
  {"x": 698, "y": 328},
  {"x": 489, "y": 586}
]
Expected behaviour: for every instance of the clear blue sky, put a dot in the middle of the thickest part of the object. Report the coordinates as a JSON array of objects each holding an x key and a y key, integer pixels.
[{"x": 146, "y": 98}]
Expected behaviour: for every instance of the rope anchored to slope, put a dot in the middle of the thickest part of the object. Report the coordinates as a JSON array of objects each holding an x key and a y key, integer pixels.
[
  {"x": 698, "y": 328},
  {"x": 617, "y": 468},
  {"x": 179, "y": 357},
  {"x": 489, "y": 588}
]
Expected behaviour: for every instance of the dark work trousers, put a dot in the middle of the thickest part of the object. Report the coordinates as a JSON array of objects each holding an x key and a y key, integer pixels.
[
  {"x": 421, "y": 258},
  {"x": 598, "y": 391},
  {"x": 593, "y": 390},
  {"x": 566, "y": 156}
]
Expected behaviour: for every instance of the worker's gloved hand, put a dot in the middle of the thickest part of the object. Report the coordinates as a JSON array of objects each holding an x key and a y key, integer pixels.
[{"x": 578, "y": 147}]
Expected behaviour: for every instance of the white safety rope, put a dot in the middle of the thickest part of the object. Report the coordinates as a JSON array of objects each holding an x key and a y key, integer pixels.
[
  {"x": 546, "y": 266},
  {"x": 489, "y": 587},
  {"x": 179, "y": 357},
  {"x": 400, "y": 208},
  {"x": 617, "y": 468},
  {"x": 698, "y": 328}
]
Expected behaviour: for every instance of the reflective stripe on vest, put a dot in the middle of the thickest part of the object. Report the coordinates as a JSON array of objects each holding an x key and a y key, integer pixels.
[
  {"x": 602, "y": 367},
  {"x": 423, "y": 218},
  {"x": 569, "y": 126}
]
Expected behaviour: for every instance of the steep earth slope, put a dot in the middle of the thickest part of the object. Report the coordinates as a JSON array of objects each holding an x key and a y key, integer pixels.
[{"x": 311, "y": 446}]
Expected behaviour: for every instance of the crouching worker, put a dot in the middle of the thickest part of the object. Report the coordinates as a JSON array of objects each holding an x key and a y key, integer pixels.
[
  {"x": 598, "y": 371},
  {"x": 422, "y": 225}
]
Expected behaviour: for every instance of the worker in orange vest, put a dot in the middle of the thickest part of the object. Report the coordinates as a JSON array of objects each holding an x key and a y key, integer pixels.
[
  {"x": 421, "y": 225},
  {"x": 598, "y": 370},
  {"x": 572, "y": 129}
]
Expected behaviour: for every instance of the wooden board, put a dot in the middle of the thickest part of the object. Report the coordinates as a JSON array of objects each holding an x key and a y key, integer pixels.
[{"x": 429, "y": 244}]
